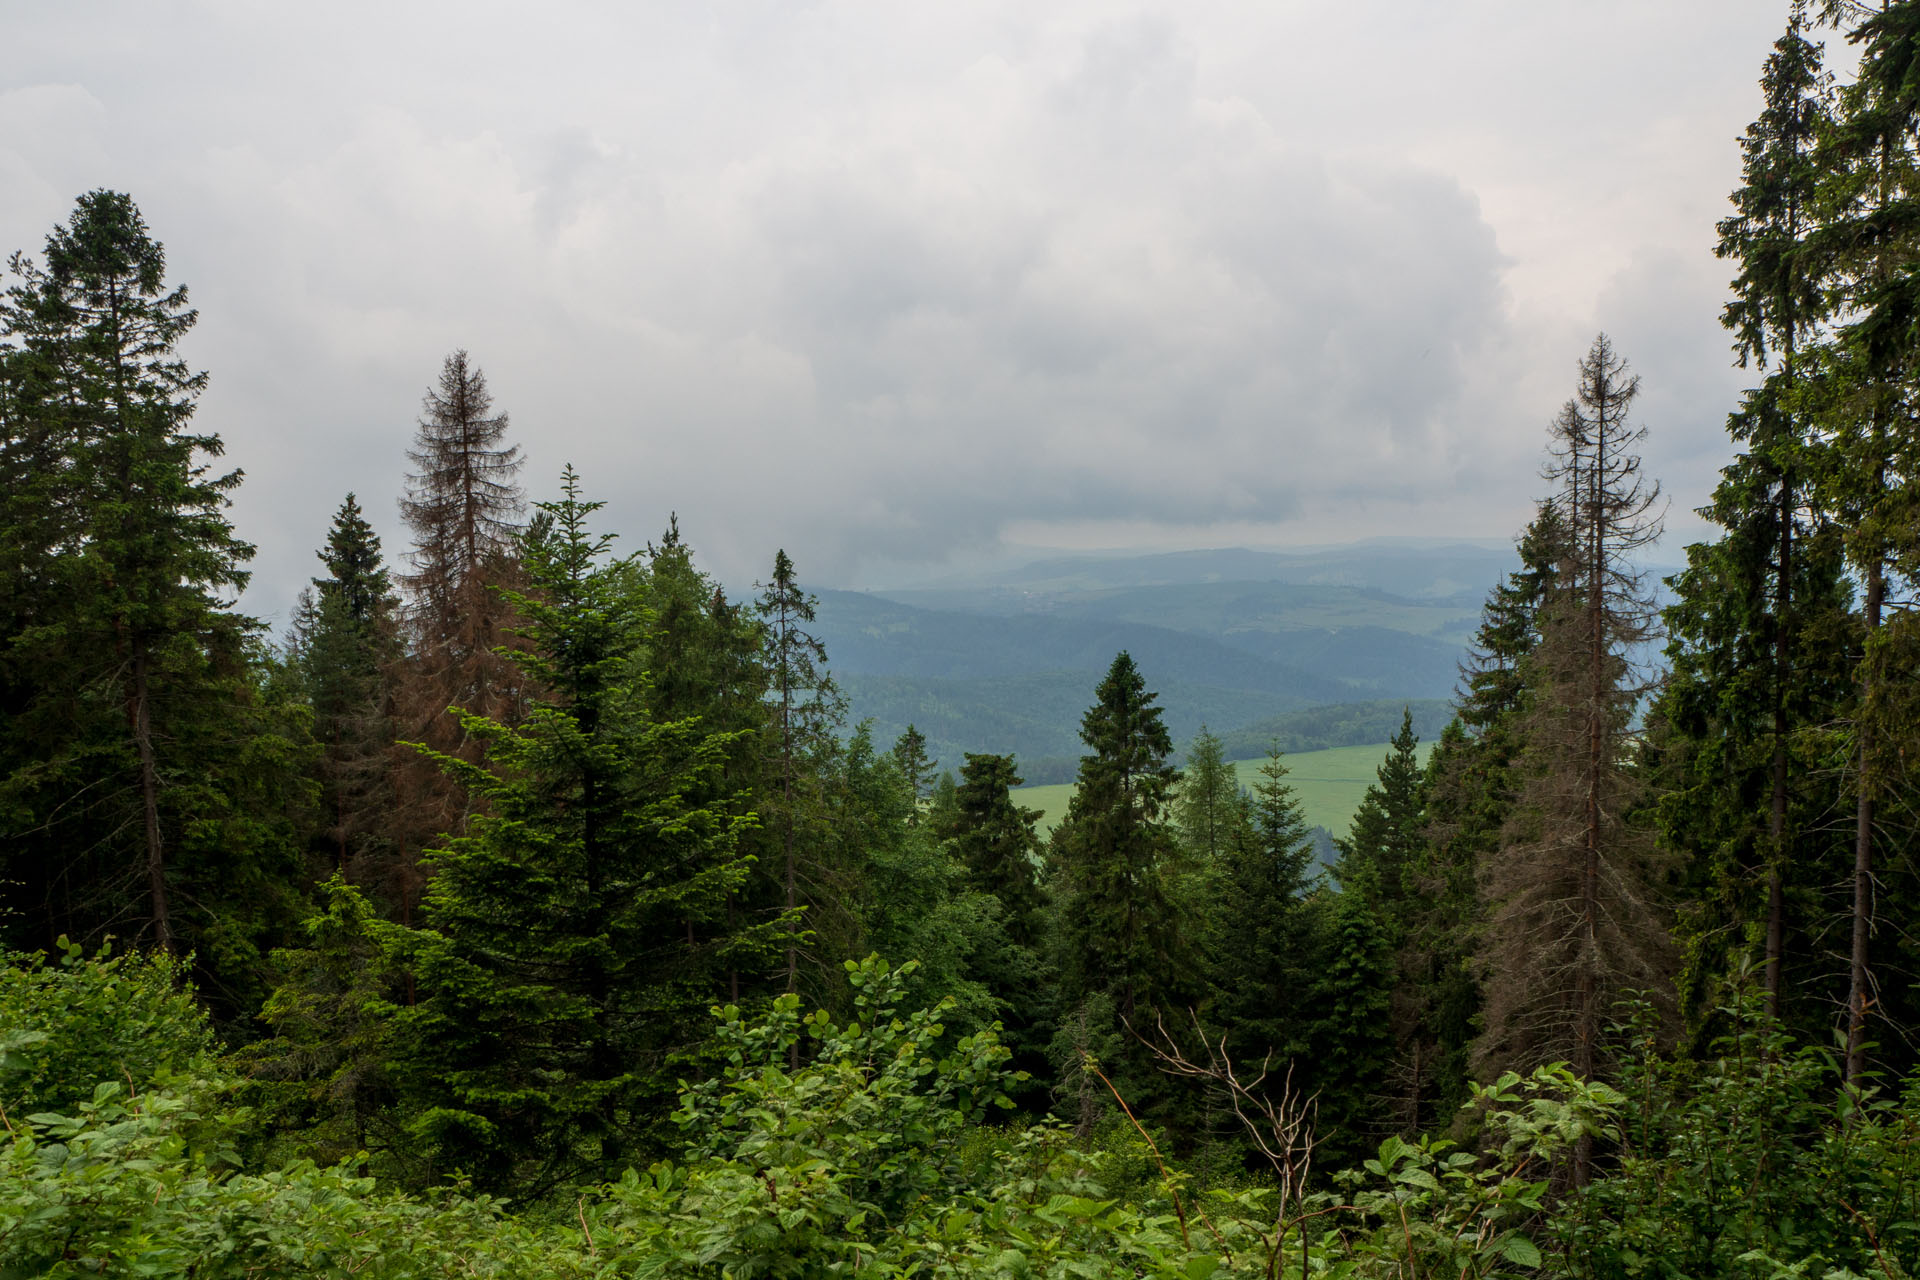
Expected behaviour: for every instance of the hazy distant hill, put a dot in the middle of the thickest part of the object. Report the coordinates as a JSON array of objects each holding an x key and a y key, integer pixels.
[
  {"x": 871, "y": 635},
  {"x": 1321, "y": 648}
]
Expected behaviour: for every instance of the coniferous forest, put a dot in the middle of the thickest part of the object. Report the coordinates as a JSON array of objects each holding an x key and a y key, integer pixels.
[{"x": 531, "y": 908}]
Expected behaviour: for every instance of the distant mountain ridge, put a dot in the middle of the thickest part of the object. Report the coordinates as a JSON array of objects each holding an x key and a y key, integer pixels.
[{"x": 1312, "y": 648}]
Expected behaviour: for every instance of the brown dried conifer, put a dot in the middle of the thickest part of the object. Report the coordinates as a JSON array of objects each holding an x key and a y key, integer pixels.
[
  {"x": 1573, "y": 917},
  {"x": 464, "y": 505}
]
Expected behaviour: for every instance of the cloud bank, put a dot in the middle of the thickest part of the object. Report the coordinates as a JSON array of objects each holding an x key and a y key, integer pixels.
[{"x": 891, "y": 284}]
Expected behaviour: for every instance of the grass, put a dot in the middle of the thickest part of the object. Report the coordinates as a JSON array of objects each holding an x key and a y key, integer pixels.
[{"x": 1330, "y": 785}]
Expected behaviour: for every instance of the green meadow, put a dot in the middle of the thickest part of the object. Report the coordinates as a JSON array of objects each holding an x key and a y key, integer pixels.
[{"x": 1330, "y": 784}]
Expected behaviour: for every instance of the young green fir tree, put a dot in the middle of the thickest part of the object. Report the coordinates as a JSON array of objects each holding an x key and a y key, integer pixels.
[
  {"x": 994, "y": 842},
  {"x": 344, "y": 656},
  {"x": 700, "y": 657},
  {"x": 1387, "y": 832},
  {"x": 911, "y": 751},
  {"x": 1263, "y": 944},
  {"x": 1125, "y": 955},
  {"x": 559, "y": 981},
  {"x": 1207, "y": 804}
]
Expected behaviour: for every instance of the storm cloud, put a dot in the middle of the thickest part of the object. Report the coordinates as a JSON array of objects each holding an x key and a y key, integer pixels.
[{"x": 889, "y": 284}]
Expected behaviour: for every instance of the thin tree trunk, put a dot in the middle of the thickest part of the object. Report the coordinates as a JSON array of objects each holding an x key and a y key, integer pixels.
[
  {"x": 1858, "y": 976},
  {"x": 786, "y": 799},
  {"x": 339, "y": 804},
  {"x": 1777, "y": 816},
  {"x": 1858, "y": 995},
  {"x": 139, "y": 717},
  {"x": 409, "y": 862}
]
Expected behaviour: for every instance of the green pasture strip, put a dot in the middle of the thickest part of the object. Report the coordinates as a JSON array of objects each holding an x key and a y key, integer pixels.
[{"x": 1330, "y": 784}]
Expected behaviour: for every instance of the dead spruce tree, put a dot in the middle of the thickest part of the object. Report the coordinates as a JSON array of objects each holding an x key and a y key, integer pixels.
[
  {"x": 1572, "y": 912},
  {"x": 463, "y": 505}
]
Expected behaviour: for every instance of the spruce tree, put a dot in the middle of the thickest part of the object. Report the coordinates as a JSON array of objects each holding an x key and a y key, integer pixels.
[
  {"x": 1115, "y": 854},
  {"x": 1859, "y": 389},
  {"x": 1385, "y": 875},
  {"x": 700, "y": 657},
  {"x": 1207, "y": 805},
  {"x": 995, "y": 841},
  {"x": 1574, "y": 918},
  {"x": 558, "y": 981},
  {"x": 1387, "y": 831},
  {"x": 150, "y": 785},
  {"x": 804, "y": 707},
  {"x": 1760, "y": 627},
  {"x": 345, "y": 655},
  {"x": 463, "y": 506},
  {"x": 1124, "y": 949},
  {"x": 911, "y": 751},
  {"x": 1263, "y": 947}
]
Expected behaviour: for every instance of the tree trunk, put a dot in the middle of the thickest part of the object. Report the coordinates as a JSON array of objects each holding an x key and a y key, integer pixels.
[
  {"x": 139, "y": 719},
  {"x": 1858, "y": 996},
  {"x": 1777, "y": 815}
]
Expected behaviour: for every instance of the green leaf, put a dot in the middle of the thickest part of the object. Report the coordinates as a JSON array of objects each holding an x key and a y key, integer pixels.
[{"x": 1519, "y": 1250}]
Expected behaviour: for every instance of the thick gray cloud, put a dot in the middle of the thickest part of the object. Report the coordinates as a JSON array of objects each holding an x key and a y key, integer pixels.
[{"x": 889, "y": 284}]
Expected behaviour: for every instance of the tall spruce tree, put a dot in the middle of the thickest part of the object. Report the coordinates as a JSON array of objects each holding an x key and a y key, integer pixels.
[
  {"x": 805, "y": 707},
  {"x": 1760, "y": 629},
  {"x": 1574, "y": 918},
  {"x": 1125, "y": 954},
  {"x": 1388, "y": 829},
  {"x": 1385, "y": 868},
  {"x": 463, "y": 505},
  {"x": 149, "y": 785},
  {"x": 1860, "y": 387},
  {"x": 910, "y": 749},
  {"x": 1114, "y": 855},
  {"x": 701, "y": 657}
]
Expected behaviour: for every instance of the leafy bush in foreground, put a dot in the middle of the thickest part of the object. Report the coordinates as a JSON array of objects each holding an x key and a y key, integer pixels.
[{"x": 66, "y": 1027}]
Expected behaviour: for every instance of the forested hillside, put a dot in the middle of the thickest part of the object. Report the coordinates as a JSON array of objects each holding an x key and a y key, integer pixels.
[
  {"x": 1003, "y": 667},
  {"x": 534, "y": 907}
]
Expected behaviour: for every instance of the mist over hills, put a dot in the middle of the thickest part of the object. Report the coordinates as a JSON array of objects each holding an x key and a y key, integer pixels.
[
  {"x": 1412, "y": 567},
  {"x": 1314, "y": 649}
]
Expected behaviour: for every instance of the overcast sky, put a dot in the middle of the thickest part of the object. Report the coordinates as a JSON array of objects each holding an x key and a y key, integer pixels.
[{"x": 899, "y": 285}]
